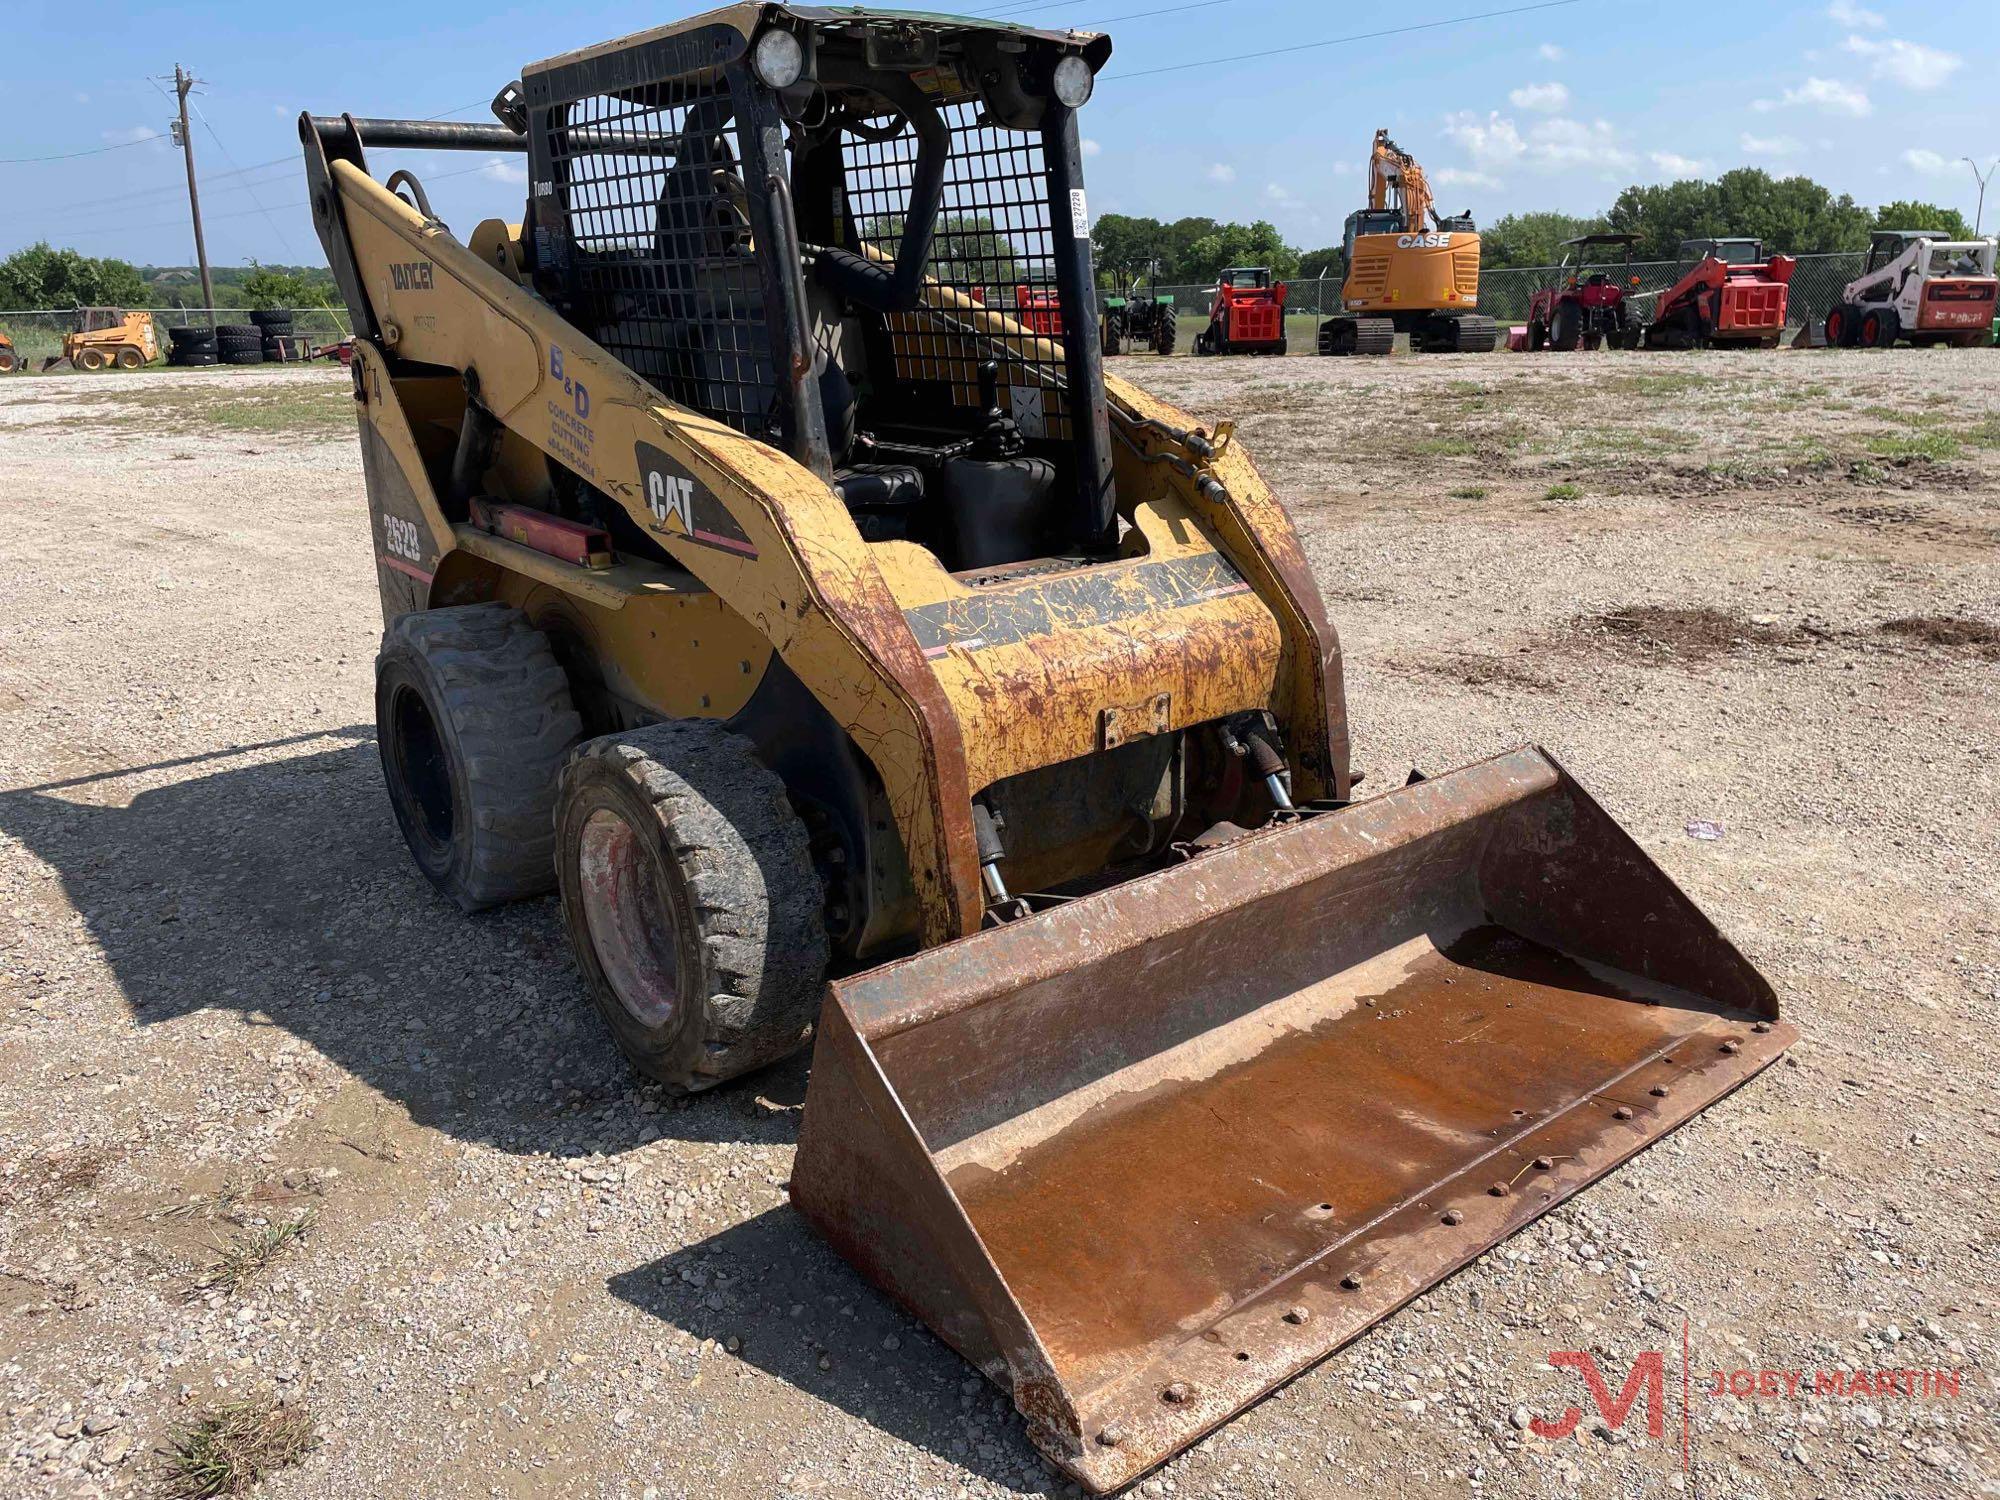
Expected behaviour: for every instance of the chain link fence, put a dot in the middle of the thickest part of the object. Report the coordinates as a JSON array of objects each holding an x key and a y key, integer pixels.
[
  {"x": 38, "y": 332},
  {"x": 1817, "y": 282}
]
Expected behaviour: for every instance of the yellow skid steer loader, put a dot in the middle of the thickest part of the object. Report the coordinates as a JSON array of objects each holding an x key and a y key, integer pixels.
[{"x": 856, "y": 659}]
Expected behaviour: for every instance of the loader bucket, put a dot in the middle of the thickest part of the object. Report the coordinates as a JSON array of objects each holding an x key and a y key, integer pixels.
[{"x": 1146, "y": 1155}]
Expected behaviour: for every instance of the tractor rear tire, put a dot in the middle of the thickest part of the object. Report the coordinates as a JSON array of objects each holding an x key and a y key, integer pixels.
[
  {"x": 1566, "y": 328},
  {"x": 1164, "y": 332},
  {"x": 691, "y": 901},
  {"x": 473, "y": 718}
]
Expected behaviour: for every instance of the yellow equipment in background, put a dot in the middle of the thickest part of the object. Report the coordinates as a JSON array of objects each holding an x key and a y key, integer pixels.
[
  {"x": 108, "y": 336},
  {"x": 1403, "y": 277}
]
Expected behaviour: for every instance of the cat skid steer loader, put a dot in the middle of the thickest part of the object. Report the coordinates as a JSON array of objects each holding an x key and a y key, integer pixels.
[{"x": 857, "y": 660}]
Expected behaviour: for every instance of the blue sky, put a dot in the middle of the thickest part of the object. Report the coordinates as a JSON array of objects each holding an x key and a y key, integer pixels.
[{"x": 1558, "y": 108}]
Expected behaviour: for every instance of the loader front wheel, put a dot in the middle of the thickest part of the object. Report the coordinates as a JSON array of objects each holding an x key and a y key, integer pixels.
[
  {"x": 473, "y": 717},
  {"x": 691, "y": 901}
]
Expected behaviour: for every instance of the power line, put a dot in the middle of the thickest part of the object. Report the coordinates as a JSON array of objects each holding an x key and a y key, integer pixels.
[
  {"x": 18, "y": 161},
  {"x": 1341, "y": 41}
]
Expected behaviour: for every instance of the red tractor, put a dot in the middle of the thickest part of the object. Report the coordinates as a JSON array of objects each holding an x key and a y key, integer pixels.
[
  {"x": 1247, "y": 316},
  {"x": 1734, "y": 295},
  {"x": 1586, "y": 307}
]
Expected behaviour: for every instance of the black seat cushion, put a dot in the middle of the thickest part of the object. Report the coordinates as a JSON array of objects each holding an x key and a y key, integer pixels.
[{"x": 879, "y": 487}]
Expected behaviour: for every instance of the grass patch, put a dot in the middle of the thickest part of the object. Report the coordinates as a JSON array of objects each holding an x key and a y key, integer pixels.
[
  {"x": 1444, "y": 447},
  {"x": 1563, "y": 491},
  {"x": 1985, "y": 433},
  {"x": 1676, "y": 384},
  {"x": 1468, "y": 492},
  {"x": 242, "y": 1258},
  {"x": 207, "y": 404},
  {"x": 227, "y": 1450},
  {"x": 1930, "y": 446}
]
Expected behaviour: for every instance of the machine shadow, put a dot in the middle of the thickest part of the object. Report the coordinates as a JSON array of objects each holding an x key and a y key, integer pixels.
[
  {"x": 774, "y": 1286},
  {"x": 277, "y": 886}
]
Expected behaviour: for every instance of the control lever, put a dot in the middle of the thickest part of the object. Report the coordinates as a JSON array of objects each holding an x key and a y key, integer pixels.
[{"x": 998, "y": 436}]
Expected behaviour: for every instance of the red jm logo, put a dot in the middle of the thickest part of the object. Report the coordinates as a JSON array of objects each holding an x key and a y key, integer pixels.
[{"x": 1648, "y": 1370}]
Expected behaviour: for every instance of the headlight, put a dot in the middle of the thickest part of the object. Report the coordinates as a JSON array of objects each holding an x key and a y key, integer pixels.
[
  {"x": 1073, "y": 81},
  {"x": 778, "y": 59}
]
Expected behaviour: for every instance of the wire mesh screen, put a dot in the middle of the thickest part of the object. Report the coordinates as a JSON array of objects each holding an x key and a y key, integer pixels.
[
  {"x": 662, "y": 266},
  {"x": 992, "y": 255}
]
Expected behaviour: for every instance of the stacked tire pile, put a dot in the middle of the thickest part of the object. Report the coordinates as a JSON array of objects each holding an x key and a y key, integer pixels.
[
  {"x": 240, "y": 343},
  {"x": 188, "y": 347},
  {"x": 280, "y": 342}
]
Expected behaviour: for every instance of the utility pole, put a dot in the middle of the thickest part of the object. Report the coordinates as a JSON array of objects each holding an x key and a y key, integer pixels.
[{"x": 183, "y": 81}]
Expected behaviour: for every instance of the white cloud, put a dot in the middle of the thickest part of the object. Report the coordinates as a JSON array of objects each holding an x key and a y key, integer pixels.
[
  {"x": 1847, "y": 13},
  {"x": 83, "y": 98},
  {"x": 1551, "y": 52},
  {"x": 1277, "y": 192},
  {"x": 1675, "y": 165},
  {"x": 1767, "y": 145},
  {"x": 1911, "y": 64},
  {"x": 1921, "y": 159},
  {"x": 130, "y": 133},
  {"x": 1831, "y": 96},
  {"x": 1558, "y": 144},
  {"x": 1543, "y": 98},
  {"x": 1492, "y": 142},
  {"x": 502, "y": 170},
  {"x": 1090, "y": 147},
  {"x": 1221, "y": 171},
  {"x": 1454, "y": 177}
]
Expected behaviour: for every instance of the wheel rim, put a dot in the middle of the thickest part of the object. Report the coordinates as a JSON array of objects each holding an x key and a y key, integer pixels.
[
  {"x": 422, "y": 768},
  {"x": 630, "y": 925}
]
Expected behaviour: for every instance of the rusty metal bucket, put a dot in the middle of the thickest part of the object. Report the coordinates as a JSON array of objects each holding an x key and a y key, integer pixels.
[{"x": 1147, "y": 1155}]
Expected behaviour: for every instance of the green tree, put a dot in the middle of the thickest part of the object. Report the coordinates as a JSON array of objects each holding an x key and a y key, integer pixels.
[
  {"x": 1178, "y": 238},
  {"x": 1907, "y": 213},
  {"x": 40, "y": 276},
  {"x": 1531, "y": 239},
  {"x": 967, "y": 250},
  {"x": 1125, "y": 247},
  {"x": 1327, "y": 262},
  {"x": 269, "y": 287},
  {"x": 1257, "y": 244},
  {"x": 1794, "y": 215}
]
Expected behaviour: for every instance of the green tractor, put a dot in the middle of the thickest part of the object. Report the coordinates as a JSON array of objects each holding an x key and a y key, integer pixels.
[{"x": 1140, "y": 320}]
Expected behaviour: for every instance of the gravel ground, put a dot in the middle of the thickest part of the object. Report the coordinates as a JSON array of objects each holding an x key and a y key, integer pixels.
[{"x": 278, "y": 1124}]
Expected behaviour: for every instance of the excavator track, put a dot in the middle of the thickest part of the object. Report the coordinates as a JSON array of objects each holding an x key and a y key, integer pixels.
[
  {"x": 1357, "y": 336},
  {"x": 1474, "y": 334}
]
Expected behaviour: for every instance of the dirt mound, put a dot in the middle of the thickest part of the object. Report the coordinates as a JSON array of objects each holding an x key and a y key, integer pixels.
[
  {"x": 1948, "y": 631},
  {"x": 1690, "y": 633}
]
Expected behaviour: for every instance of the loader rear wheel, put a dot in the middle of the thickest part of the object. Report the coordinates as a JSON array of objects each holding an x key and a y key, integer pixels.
[
  {"x": 473, "y": 718},
  {"x": 130, "y": 358},
  {"x": 1880, "y": 327},
  {"x": 691, "y": 901}
]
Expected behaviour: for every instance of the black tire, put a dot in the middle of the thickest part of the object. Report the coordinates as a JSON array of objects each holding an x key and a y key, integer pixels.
[
  {"x": 1114, "y": 336},
  {"x": 1879, "y": 328},
  {"x": 473, "y": 719},
  {"x": 1164, "y": 331},
  {"x": 1843, "y": 326},
  {"x": 691, "y": 901},
  {"x": 242, "y": 356},
  {"x": 239, "y": 333},
  {"x": 191, "y": 338},
  {"x": 1566, "y": 327},
  {"x": 273, "y": 320}
]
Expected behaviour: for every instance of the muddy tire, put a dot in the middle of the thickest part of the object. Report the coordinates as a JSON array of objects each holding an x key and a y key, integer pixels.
[
  {"x": 130, "y": 357},
  {"x": 473, "y": 719},
  {"x": 691, "y": 901},
  {"x": 91, "y": 359}
]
